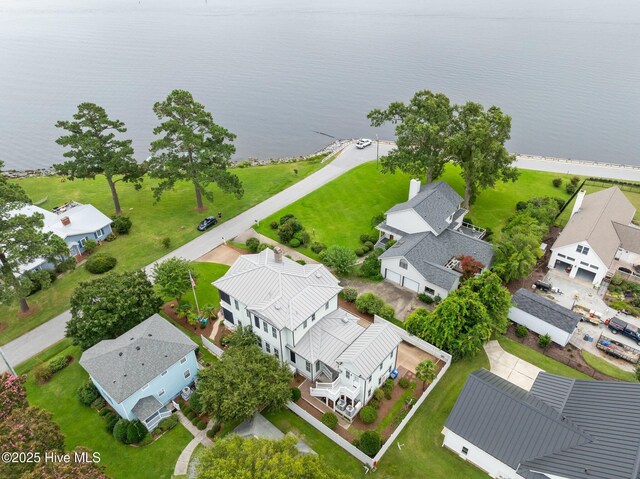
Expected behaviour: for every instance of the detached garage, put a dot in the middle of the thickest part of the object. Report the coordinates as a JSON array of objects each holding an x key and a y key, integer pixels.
[{"x": 543, "y": 316}]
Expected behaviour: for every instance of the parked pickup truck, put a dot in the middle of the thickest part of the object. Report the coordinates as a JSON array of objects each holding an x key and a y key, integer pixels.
[
  {"x": 617, "y": 325},
  {"x": 617, "y": 349}
]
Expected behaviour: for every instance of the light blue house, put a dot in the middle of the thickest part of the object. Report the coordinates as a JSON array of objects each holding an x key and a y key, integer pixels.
[{"x": 140, "y": 372}]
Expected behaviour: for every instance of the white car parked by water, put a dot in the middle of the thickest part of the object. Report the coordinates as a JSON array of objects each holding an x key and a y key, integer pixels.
[{"x": 362, "y": 143}]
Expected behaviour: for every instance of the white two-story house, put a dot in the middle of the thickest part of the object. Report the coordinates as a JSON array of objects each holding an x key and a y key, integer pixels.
[
  {"x": 293, "y": 309},
  {"x": 430, "y": 238}
]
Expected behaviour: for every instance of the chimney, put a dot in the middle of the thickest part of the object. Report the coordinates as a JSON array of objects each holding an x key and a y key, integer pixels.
[
  {"x": 65, "y": 221},
  {"x": 578, "y": 204},
  {"x": 414, "y": 188},
  {"x": 277, "y": 253}
]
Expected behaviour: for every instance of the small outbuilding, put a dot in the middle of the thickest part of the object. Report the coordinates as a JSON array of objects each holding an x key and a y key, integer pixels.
[{"x": 543, "y": 316}]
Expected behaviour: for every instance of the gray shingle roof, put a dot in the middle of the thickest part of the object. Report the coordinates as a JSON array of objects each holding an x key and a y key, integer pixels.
[
  {"x": 566, "y": 427},
  {"x": 435, "y": 202},
  {"x": 125, "y": 364},
  {"x": 286, "y": 293},
  {"x": 629, "y": 237},
  {"x": 429, "y": 254},
  {"x": 546, "y": 310},
  {"x": 370, "y": 348},
  {"x": 145, "y": 407}
]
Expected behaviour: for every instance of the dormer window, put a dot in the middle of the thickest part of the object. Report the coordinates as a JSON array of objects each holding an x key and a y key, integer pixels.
[
  {"x": 582, "y": 249},
  {"x": 404, "y": 264}
]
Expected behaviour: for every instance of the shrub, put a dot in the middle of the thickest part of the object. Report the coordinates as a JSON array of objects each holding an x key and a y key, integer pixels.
[
  {"x": 301, "y": 261},
  {"x": 370, "y": 443},
  {"x": 389, "y": 244},
  {"x": 378, "y": 394},
  {"x": 294, "y": 243},
  {"x": 318, "y": 247},
  {"x": 387, "y": 394},
  {"x": 201, "y": 425},
  {"x": 166, "y": 242},
  {"x": 263, "y": 246},
  {"x": 121, "y": 224},
  {"x": 544, "y": 341},
  {"x": 100, "y": 263},
  {"x": 575, "y": 180},
  {"x": 521, "y": 205},
  {"x": 87, "y": 393},
  {"x": 40, "y": 280},
  {"x": 341, "y": 259},
  {"x": 43, "y": 374},
  {"x": 365, "y": 248},
  {"x": 105, "y": 411},
  {"x": 425, "y": 298},
  {"x": 90, "y": 246},
  {"x": 350, "y": 294},
  {"x": 404, "y": 383},
  {"x": 110, "y": 237},
  {"x": 359, "y": 252},
  {"x": 59, "y": 363},
  {"x": 369, "y": 245},
  {"x": 136, "y": 432},
  {"x": 370, "y": 267},
  {"x": 437, "y": 299},
  {"x": 571, "y": 188},
  {"x": 253, "y": 244},
  {"x": 68, "y": 264},
  {"x": 557, "y": 182},
  {"x": 215, "y": 429},
  {"x": 304, "y": 237},
  {"x": 286, "y": 218},
  {"x": 295, "y": 394},
  {"x": 387, "y": 312},
  {"x": 329, "y": 419},
  {"x": 98, "y": 404},
  {"x": 191, "y": 414},
  {"x": 120, "y": 430},
  {"x": 368, "y": 415},
  {"x": 374, "y": 403},
  {"x": 369, "y": 303},
  {"x": 522, "y": 331},
  {"x": 364, "y": 238},
  {"x": 195, "y": 402},
  {"x": 274, "y": 225},
  {"x": 110, "y": 425}
]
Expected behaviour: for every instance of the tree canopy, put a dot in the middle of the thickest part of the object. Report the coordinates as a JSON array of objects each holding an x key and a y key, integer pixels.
[
  {"x": 95, "y": 149},
  {"x": 244, "y": 380},
  {"x": 426, "y": 372},
  {"x": 422, "y": 127},
  {"x": 12, "y": 394},
  {"x": 255, "y": 458},
  {"x": 476, "y": 145},
  {"x": 22, "y": 241},
  {"x": 107, "y": 307},
  {"x": 171, "y": 277},
  {"x": 341, "y": 259},
  {"x": 191, "y": 147}
]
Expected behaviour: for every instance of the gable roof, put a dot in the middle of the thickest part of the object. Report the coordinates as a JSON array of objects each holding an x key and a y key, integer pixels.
[
  {"x": 146, "y": 406},
  {"x": 594, "y": 222},
  {"x": 370, "y": 348},
  {"x": 546, "y": 310},
  {"x": 435, "y": 202},
  {"x": 565, "y": 427},
  {"x": 286, "y": 293},
  {"x": 629, "y": 237},
  {"x": 429, "y": 254},
  {"x": 123, "y": 365}
]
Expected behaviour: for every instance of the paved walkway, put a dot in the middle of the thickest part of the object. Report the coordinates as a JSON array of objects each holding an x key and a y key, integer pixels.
[
  {"x": 258, "y": 426},
  {"x": 199, "y": 437},
  {"x": 576, "y": 167},
  {"x": 510, "y": 367},
  {"x": 49, "y": 333}
]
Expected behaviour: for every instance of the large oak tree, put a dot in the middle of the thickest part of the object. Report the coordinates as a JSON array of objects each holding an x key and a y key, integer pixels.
[
  {"x": 422, "y": 126},
  {"x": 95, "y": 149},
  {"x": 191, "y": 147}
]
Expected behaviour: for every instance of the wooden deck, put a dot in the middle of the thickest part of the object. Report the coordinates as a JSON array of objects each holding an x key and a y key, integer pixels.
[{"x": 305, "y": 389}]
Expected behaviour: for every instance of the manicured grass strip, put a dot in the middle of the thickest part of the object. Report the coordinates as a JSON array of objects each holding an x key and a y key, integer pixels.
[
  {"x": 206, "y": 273},
  {"x": 173, "y": 217},
  {"x": 395, "y": 409},
  {"x": 328, "y": 450},
  {"x": 537, "y": 359},
  {"x": 82, "y": 426},
  {"x": 44, "y": 356},
  {"x": 607, "y": 368},
  {"x": 422, "y": 454}
]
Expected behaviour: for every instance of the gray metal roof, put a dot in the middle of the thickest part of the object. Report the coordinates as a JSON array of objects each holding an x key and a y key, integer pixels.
[
  {"x": 435, "y": 202},
  {"x": 572, "y": 428},
  {"x": 429, "y": 254},
  {"x": 146, "y": 406},
  {"x": 329, "y": 337},
  {"x": 370, "y": 348},
  {"x": 285, "y": 293},
  {"x": 546, "y": 310},
  {"x": 125, "y": 364}
]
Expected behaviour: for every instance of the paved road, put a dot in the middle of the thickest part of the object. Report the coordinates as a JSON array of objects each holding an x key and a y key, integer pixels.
[{"x": 52, "y": 331}]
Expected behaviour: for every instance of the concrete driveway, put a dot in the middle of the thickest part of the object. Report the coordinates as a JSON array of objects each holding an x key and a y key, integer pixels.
[
  {"x": 403, "y": 301},
  {"x": 510, "y": 367},
  {"x": 223, "y": 254}
]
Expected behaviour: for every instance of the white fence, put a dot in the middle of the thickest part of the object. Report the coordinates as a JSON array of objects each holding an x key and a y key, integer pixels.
[{"x": 212, "y": 347}]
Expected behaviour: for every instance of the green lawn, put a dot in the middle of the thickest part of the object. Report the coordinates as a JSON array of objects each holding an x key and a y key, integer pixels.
[
  {"x": 607, "y": 368},
  {"x": 206, "y": 273},
  {"x": 83, "y": 426},
  {"x": 537, "y": 359},
  {"x": 174, "y": 217},
  {"x": 340, "y": 211}
]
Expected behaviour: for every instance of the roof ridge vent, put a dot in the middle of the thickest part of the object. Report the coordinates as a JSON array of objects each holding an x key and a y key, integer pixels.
[{"x": 277, "y": 306}]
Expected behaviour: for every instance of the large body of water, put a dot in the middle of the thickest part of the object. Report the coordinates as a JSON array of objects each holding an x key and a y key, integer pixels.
[{"x": 275, "y": 72}]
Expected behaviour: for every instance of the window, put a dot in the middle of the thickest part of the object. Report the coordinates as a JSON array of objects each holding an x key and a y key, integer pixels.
[
  {"x": 256, "y": 321},
  {"x": 582, "y": 249},
  {"x": 313, "y": 317},
  {"x": 265, "y": 326},
  {"x": 304, "y": 324},
  {"x": 99, "y": 233},
  {"x": 594, "y": 266},
  {"x": 267, "y": 347},
  {"x": 187, "y": 374},
  {"x": 583, "y": 263},
  {"x": 404, "y": 264},
  {"x": 326, "y": 306},
  {"x": 145, "y": 386},
  {"x": 292, "y": 356},
  {"x": 562, "y": 255},
  {"x": 430, "y": 291},
  {"x": 317, "y": 365},
  {"x": 225, "y": 297},
  {"x": 259, "y": 342},
  {"x": 379, "y": 380},
  {"x": 81, "y": 242},
  {"x": 164, "y": 372},
  {"x": 465, "y": 451},
  {"x": 276, "y": 353},
  {"x": 380, "y": 366},
  {"x": 570, "y": 258},
  {"x": 308, "y": 366},
  {"x": 161, "y": 392},
  {"x": 347, "y": 374},
  {"x": 228, "y": 315},
  {"x": 183, "y": 360},
  {"x": 273, "y": 332},
  {"x": 247, "y": 312},
  {"x": 235, "y": 302},
  {"x": 369, "y": 393}
]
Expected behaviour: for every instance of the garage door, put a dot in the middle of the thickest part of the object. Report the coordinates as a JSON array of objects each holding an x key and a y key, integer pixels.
[
  {"x": 393, "y": 276},
  {"x": 585, "y": 275},
  {"x": 411, "y": 284},
  {"x": 561, "y": 265}
]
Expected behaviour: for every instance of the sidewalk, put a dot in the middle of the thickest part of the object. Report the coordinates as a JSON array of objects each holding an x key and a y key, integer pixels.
[
  {"x": 510, "y": 367},
  {"x": 199, "y": 437}
]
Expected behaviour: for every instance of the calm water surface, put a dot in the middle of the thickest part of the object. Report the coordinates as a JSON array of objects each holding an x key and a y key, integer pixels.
[{"x": 276, "y": 71}]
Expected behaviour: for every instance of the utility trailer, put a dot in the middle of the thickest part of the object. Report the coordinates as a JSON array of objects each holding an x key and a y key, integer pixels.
[
  {"x": 588, "y": 314},
  {"x": 617, "y": 349}
]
